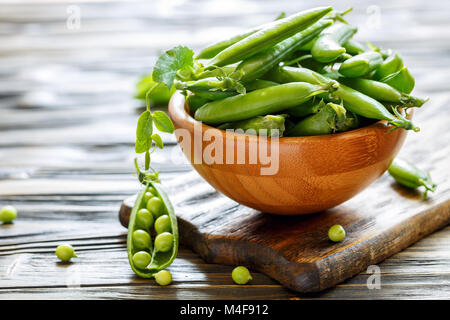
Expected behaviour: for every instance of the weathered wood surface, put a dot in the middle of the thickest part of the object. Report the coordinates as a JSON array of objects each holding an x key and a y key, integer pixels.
[{"x": 66, "y": 143}]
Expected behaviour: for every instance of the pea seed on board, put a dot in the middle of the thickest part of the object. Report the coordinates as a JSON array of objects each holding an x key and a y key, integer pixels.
[
  {"x": 241, "y": 275},
  {"x": 336, "y": 233}
]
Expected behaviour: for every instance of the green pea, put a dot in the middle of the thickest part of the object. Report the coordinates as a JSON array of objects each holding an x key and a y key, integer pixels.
[
  {"x": 141, "y": 239},
  {"x": 144, "y": 219},
  {"x": 162, "y": 224},
  {"x": 151, "y": 192},
  {"x": 336, "y": 233},
  {"x": 164, "y": 242},
  {"x": 141, "y": 259},
  {"x": 163, "y": 277},
  {"x": 65, "y": 252},
  {"x": 154, "y": 206},
  {"x": 8, "y": 214},
  {"x": 148, "y": 196},
  {"x": 241, "y": 275}
]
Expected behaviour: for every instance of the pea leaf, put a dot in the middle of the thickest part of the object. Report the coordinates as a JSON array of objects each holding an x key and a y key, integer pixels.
[
  {"x": 144, "y": 132},
  {"x": 170, "y": 62},
  {"x": 158, "y": 141},
  {"x": 163, "y": 122}
]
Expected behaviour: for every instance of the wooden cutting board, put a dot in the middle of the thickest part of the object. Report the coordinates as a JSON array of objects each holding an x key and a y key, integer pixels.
[
  {"x": 381, "y": 221},
  {"x": 296, "y": 251}
]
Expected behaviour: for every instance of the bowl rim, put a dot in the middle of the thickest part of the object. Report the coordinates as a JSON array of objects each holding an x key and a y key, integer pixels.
[{"x": 182, "y": 115}]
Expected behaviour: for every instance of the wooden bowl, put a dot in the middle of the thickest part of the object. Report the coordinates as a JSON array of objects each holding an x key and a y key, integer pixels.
[{"x": 314, "y": 173}]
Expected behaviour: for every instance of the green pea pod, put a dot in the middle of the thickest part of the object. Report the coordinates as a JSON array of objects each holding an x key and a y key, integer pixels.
[
  {"x": 160, "y": 96},
  {"x": 212, "y": 50},
  {"x": 307, "y": 108},
  {"x": 408, "y": 175},
  {"x": 216, "y": 72},
  {"x": 159, "y": 260},
  {"x": 195, "y": 102},
  {"x": 328, "y": 46},
  {"x": 260, "y": 102},
  {"x": 306, "y": 61},
  {"x": 208, "y": 88},
  {"x": 391, "y": 65},
  {"x": 259, "y": 84},
  {"x": 361, "y": 64},
  {"x": 308, "y": 46},
  {"x": 384, "y": 92},
  {"x": 269, "y": 36},
  {"x": 402, "y": 81},
  {"x": 332, "y": 15},
  {"x": 353, "y": 47},
  {"x": 328, "y": 120},
  {"x": 269, "y": 125},
  {"x": 354, "y": 101},
  {"x": 260, "y": 63},
  {"x": 215, "y": 95}
]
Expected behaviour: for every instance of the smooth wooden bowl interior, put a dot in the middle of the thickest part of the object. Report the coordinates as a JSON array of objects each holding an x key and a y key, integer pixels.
[{"x": 314, "y": 173}]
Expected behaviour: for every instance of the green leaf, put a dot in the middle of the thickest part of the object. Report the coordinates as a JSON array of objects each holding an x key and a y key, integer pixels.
[
  {"x": 144, "y": 132},
  {"x": 158, "y": 141},
  {"x": 170, "y": 62},
  {"x": 163, "y": 122}
]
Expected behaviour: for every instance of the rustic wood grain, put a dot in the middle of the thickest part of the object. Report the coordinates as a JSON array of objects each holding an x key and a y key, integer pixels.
[{"x": 67, "y": 122}]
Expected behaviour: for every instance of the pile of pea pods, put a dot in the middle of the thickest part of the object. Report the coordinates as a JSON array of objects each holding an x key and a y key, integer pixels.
[{"x": 299, "y": 75}]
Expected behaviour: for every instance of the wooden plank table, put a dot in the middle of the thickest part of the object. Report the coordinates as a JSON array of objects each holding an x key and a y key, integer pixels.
[{"x": 67, "y": 124}]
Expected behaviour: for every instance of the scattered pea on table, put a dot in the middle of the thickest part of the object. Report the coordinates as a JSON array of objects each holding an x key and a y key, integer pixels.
[
  {"x": 65, "y": 252},
  {"x": 336, "y": 233},
  {"x": 163, "y": 277},
  {"x": 8, "y": 214},
  {"x": 241, "y": 275}
]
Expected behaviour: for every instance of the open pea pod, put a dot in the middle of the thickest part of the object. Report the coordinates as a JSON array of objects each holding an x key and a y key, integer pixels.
[{"x": 146, "y": 261}]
